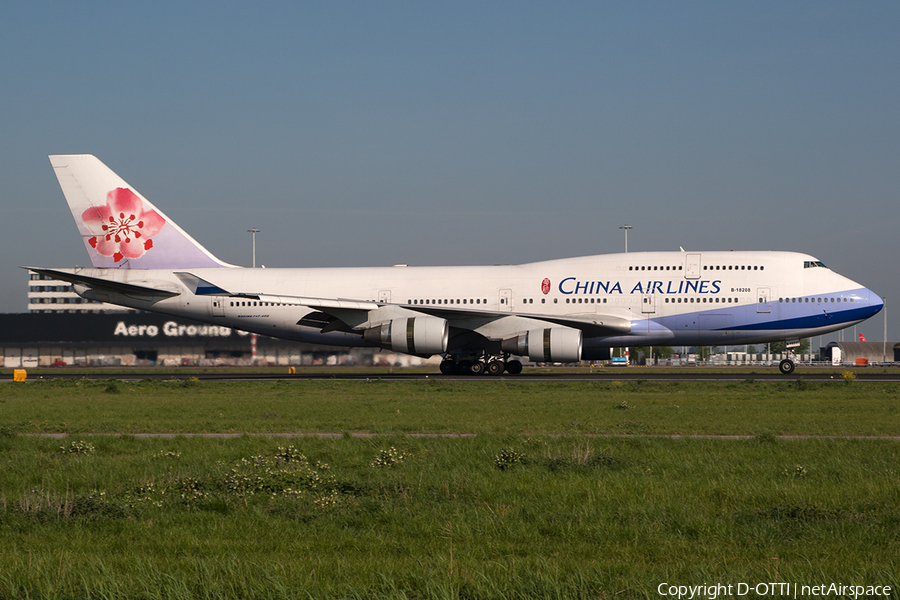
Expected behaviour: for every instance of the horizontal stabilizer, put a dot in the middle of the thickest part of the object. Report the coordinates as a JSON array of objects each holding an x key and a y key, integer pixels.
[{"x": 107, "y": 285}]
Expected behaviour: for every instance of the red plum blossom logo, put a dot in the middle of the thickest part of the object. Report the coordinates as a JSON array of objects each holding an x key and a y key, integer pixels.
[
  {"x": 545, "y": 286},
  {"x": 122, "y": 228}
]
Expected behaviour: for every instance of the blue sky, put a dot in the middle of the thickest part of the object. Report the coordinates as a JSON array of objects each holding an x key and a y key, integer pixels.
[{"x": 464, "y": 132}]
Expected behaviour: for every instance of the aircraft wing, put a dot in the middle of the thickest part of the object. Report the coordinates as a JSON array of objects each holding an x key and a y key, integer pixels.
[
  {"x": 591, "y": 325},
  {"x": 201, "y": 287},
  {"x": 348, "y": 314}
]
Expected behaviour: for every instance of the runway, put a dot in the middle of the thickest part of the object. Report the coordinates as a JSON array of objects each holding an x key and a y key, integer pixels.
[{"x": 767, "y": 374}]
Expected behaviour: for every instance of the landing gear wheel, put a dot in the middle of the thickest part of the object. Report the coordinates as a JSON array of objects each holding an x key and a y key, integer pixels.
[
  {"x": 513, "y": 367},
  {"x": 495, "y": 367},
  {"x": 786, "y": 366},
  {"x": 462, "y": 367},
  {"x": 476, "y": 368},
  {"x": 448, "y": 367}
]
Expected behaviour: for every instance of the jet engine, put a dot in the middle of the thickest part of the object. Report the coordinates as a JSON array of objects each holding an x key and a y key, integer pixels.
[
  {"x": 553, "y": 344},
  {"x": 415, "y": 335}
]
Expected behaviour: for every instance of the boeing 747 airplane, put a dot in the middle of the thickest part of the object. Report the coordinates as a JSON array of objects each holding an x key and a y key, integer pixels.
[{"x": 478, "y": 318}]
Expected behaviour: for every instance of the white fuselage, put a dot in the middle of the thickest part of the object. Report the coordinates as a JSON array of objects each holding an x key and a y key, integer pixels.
[{"x": 668, "y": 298}]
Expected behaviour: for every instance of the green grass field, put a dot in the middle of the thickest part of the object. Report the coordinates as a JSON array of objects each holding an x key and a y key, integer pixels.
[
  {"x": 535, "y": 505},
  {"x": 436, "y": 406}
]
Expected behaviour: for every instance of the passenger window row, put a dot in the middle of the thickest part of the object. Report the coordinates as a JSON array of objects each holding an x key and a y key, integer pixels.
[
  {"x": 657, "y": 268},
  {"x": 446, "y": 301},
  {"x": 815, "y": 300},
  {"x": 705, "y": 268},
  {"x": 255, "y": 303},
  {"x": 710, "y": 300},
  {"x": 733, "y": 268}
]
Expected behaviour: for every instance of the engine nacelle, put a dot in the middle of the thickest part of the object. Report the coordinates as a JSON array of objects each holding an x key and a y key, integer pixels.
[
  {"x": 415, "y": 335},
  {"x": 553, "y": 344}
]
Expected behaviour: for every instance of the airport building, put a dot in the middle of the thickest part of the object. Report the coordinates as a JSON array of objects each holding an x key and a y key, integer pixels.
[
  {"x": 861, "y": 353},
  {"x": 48, "y": 295},
  {"x": 144, "y": 339},
  {"x": 61, "y": 328}
]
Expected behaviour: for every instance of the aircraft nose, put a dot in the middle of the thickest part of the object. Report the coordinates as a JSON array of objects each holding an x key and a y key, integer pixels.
[{"x": 875, "y": 302}]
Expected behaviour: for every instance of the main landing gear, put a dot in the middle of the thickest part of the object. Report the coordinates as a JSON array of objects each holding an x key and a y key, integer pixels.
[{"x": 480, "y": 364}]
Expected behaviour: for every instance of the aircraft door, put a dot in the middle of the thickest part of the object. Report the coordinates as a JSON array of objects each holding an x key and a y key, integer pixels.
[
  {"x": 692, "y": 266},
  {"x": 648, "y": 304},
  {"x": 217, "y": 306},
  {"x": 506, "y": 300},
  {"x": 763, "y": 296},
  {"x": 384, "y": 296}
]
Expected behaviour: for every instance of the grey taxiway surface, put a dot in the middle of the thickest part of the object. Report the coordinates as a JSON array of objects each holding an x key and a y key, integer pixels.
[{"x": 606, "y": 374}]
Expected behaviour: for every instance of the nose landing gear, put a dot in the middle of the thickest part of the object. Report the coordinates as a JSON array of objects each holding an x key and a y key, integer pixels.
[{"x": 786, "y": 366}]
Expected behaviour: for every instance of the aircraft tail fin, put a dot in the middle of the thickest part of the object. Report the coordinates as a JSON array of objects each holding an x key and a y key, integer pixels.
[
  {"x": 120, "y": 228},
  {"x": 862, "y": 338}
]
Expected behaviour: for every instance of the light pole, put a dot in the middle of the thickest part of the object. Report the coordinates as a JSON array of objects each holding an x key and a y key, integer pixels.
[
  {"x": 884, "y": 343},
  {"x": 254, "y": 231},
  {"x": 626, "y": 228}
]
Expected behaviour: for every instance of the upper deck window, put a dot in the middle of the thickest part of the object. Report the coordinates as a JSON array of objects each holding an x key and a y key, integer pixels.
[{"x": 809, "y": 264}]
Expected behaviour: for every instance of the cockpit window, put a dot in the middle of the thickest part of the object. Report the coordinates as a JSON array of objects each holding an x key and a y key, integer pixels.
[{"x": 809, "y": 264}]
